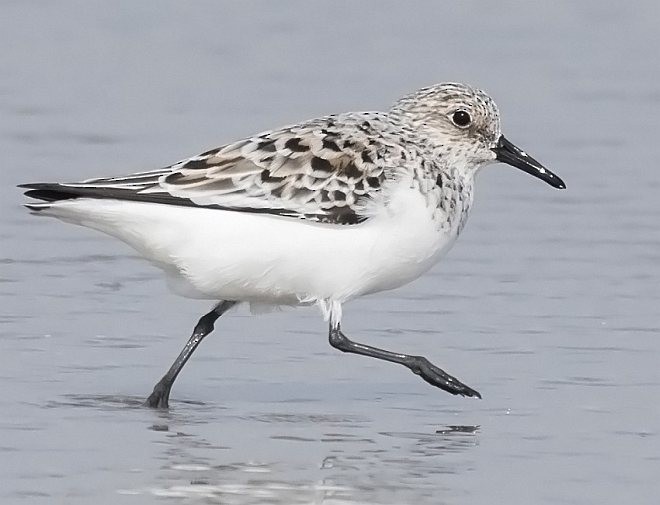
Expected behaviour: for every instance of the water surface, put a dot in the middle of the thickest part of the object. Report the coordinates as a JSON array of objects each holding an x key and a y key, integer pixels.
[{"x": 548, "y": 305}]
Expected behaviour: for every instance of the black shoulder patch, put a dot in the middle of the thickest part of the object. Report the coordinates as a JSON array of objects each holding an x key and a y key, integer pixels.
[
  {"x": 321, "y": 164},
  {"x": 351, "y": 171},
  {"x": 331, "y": 144},
  {"x": 295, "y": 145},
  {"x": 374, "y": 182},
  {"x": 266, "y": 177}
]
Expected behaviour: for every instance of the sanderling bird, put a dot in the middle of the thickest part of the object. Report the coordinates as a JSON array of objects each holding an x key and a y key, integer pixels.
[{"x": 314, "y": 213}]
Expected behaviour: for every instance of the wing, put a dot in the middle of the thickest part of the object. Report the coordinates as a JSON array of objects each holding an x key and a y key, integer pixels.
[{"x": 325, "y": 170}]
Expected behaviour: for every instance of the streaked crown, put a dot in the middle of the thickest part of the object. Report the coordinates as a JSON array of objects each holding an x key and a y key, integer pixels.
[{"x": 454, "y": 114}]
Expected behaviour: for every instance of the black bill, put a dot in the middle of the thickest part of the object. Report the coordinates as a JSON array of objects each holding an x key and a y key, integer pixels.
[{"x": 508, "y": 153}]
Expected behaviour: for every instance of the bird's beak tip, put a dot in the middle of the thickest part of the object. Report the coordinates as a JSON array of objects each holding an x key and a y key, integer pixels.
[{"x": 508, "y": 153}]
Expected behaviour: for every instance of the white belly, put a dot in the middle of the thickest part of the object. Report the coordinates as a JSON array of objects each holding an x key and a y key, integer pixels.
[{"x": 254, "y": 257}]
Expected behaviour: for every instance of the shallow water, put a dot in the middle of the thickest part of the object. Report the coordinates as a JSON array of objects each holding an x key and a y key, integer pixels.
[{"x": 548, "y": 305}]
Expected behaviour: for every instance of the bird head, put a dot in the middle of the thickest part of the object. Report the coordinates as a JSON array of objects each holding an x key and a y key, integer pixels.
[{"x": 463, "y": 124}]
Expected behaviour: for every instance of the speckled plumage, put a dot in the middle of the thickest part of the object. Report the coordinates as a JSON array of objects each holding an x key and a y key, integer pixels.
[
  {"x": 333, "y": 169},
  {"x": 314, "y": 213}
]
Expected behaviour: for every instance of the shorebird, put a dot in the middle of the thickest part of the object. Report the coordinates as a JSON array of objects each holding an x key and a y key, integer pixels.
[{"x": 318, "y": 212}]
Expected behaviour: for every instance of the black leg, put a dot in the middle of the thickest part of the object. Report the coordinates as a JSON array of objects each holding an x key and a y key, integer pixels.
[
  {"x": 160, "y": 396},
  {"x": 417, "y": 364}
]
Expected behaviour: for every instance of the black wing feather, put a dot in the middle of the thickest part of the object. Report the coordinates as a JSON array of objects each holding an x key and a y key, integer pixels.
[{"x": 54, "y": 192}]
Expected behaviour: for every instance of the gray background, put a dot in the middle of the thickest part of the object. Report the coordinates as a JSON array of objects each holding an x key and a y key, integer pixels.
[{"x": 548, "y": 304}]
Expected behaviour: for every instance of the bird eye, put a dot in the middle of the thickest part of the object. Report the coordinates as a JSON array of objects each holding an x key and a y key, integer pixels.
[{"x": 461, "y": 119}]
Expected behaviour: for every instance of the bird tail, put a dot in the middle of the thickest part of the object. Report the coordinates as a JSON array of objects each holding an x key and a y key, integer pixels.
[{"x": 49, "y": 193}]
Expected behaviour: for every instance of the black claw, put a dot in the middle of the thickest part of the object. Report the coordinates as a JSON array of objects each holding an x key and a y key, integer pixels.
[
  {"x": 469, "y": 392},
  {"x": 458, "y": 388},
  {"x": 439, "y": 378},
  {"x": 453, "y": 386}
]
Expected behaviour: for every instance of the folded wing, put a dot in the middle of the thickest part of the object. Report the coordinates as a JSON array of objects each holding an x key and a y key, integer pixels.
[{"x": 314, "y": 171}]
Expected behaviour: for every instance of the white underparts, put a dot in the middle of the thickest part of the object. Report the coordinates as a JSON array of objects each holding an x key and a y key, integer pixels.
[
  {"x": 331, "y": 310},
  {"x": 272, "y": 260}
]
